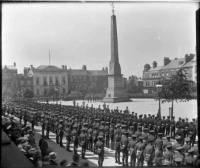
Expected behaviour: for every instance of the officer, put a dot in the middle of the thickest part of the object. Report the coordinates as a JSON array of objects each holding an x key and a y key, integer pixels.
[
  {"x": 83, "y": 143},
  {"x": 151, "y": 135},
  {"x": 179, "y": 133},
  {"x": 131, "y": 147},
  {"x": 139, "y": 147},
  {"x": 75, "y": 133},
  {"x": 57, "y": 131},
  {"x": 149, "y": 152},
  {"x": 32, "y": 122},
  {"x": 158, "y": 156},
  {"x": 145, "y": 135},
  {"x": 100, "y": 150},
  {"x": 117, "y": 147},
  {"x": 124, "y": 148},
  {"x": 167, "y": 125},
  {"x": 139, "y": 131},
  {"x": 112, "y": 135},
  {"x": 168, "y": 156}
]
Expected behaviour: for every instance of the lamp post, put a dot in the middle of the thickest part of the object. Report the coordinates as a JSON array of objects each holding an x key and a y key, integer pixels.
[{"x": 159, "y": 88}]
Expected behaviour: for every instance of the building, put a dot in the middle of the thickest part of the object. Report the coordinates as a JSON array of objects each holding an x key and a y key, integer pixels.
[
  {"x": 50, "y": 79},
  {"x": 151, "y": 76},
  {"x": 83, "y": 78},
  {"x": 25, "y": 81},
  {"x": 9, "y": 80}
]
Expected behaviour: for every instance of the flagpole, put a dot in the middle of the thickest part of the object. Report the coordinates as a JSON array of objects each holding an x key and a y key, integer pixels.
[{"x": 49, "y": 58}]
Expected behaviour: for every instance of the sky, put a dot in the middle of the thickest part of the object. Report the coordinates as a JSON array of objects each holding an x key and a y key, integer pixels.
[{"x": 78, "y": 34}]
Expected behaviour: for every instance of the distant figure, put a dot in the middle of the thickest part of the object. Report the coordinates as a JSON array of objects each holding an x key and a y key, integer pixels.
[{"x": 74, "y": 102}]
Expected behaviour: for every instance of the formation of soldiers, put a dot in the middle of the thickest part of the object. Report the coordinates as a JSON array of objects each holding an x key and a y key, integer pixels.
[{"x": 138, "y": 138}]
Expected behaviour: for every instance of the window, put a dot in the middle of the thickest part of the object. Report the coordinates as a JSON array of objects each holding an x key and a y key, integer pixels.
[
  {"x": 63, "y": 90},
  {"x": 163, "y": 74},
  {"x": 63, "y": 80},
  {"x": 50, "y": 80},
  {"x": 56, "y": 79},
  {"x": 38, "y": 92},
  {"x": 167, "y": 73},
  {"x": 37, "y": 80}
]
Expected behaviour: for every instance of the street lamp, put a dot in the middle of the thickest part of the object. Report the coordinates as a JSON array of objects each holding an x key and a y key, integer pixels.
[{"x": 159, "y": 88}]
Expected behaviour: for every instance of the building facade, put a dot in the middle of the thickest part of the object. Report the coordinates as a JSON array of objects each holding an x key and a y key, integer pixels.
[
  {"x": 25, "y": 81},
  {"x": 9, "y": 80},
  {"x": 151, "y": 76},
  {"x": 83, "y": 78},
  {"x": 49, "y": 78}
]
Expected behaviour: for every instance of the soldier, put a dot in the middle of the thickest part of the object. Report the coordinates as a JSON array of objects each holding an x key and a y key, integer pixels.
[
  {"x": 131, "y": 147},
  {"x": 149, "y": 152},
  {"x": 124, "y": 148},
  {"x": 186, "y": 146},
  {"x": 158, "y": 156},
  {"x": 68, "y": 136},
  {"x": 43, "y": 125},
  {"x": 167, "y": 142},
  {"x": 100, "y": 151},
  {"x": 177, "y": 143},
  {"x": 145, "y": 135},
  {"x": 107, "y": 134},
  {"x": 178, "y": 155},
  {"x": 139, "y": 147},
  {"x": 90, "y": 139},
  {"x": 168, "y": 125},
  {"x": 47, "y": 128},
  {"x": 172, "y": 125},
  {"x": 151, "y": 135},
  {"x": 75, "y": 142},
  {"x": 25, "y": 119},
  {"x": 158, "y": 141},
  {"x": 112, "y": 135},
  {"x": 83, "y": 143},
  {"x": 163, "y": 124},
  {"x": 20, "y": 116},
  {"x": 94, "y": 137},
  {"x": 189, "y": 160},
  {"x": 32, "y": 122},
  {"x": 117, "y": 147},
  {"x": 168, "y": 156},
  {"x": 57, "y": 132},
  {"x": 61, "y": 134},
  {"x": 139, "y": 131}
]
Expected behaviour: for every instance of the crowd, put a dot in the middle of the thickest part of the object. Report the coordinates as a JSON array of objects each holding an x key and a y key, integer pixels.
[{"x": 151, "y": 139}]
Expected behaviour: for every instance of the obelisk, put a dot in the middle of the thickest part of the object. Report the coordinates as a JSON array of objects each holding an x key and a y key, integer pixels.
[{"x": 115, "y": 91}]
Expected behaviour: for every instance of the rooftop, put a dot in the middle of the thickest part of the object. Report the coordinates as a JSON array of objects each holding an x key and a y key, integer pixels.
[
  {"x": 156, "y": 68},
  {"x": 11, "y": 67},
  {"x": 42, "y": 67},
  {"x": 176, "y": 63}
]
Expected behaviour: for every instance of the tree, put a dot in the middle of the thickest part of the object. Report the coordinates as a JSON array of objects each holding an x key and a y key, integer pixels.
[
  {"x": 177, "y": 88},
  {"x": 132, "y": 87},
  {"x": 83, "y": 90}
]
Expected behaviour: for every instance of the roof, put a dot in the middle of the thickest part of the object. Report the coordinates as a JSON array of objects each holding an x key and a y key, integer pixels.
[
  {"x": 190, "y": 63},
  {"x": 174, "y": 64},
  {"x": 97, "y": 72},
  {"x": 42, "y": 67},
  {"x": 155, "y": 69},
  {"x": 77, "y": 72},
  {"x": 11, "y": 67}
]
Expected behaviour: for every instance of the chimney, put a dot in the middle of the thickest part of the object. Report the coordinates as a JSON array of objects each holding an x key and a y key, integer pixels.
[
  {"x": 166, "y": 61},
  {"x": 14, "y": 64},
  {"x": 25, "y": 71},
  {"x": 106, "y": 69},
  {"x": 154, "y": 64},
  {"x": 103, "y": 69},
  {"x": 188, "y": 58},
  {"x": 84, "y": 68},
  {"x": 62, "y": 66},
  {"x": 31, "y": 66},
  {"x": 65, "y": 66}
]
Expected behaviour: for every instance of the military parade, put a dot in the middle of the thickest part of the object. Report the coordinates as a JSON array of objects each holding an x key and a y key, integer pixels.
[{"x": 138, "y": 139}]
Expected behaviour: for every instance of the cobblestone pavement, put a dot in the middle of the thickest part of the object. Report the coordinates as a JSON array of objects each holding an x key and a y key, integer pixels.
[{"x": 109, "y": 157}]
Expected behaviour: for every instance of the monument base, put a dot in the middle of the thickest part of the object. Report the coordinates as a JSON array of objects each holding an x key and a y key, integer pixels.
[{"x": 116, "y": 99}]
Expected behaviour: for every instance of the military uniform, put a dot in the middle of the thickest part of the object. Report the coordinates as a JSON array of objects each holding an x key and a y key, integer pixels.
[
  {"x": 132, "y": 152},
  {"x": 124, "y": 148},
  {"x": 117, "y": 147},
  {"x": 148, "y": 153},
  {"x": 140, "y": 146},
  {"x": 100, "y": 151},
  {"x": 83, "y": 143},
  {"x": 112, "y": 137},
  {"x": 168, "y": 156},
  {"x": 190, "y": 160}
]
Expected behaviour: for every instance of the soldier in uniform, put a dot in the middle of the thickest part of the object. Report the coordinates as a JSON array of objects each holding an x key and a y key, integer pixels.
[
  {"x": 168, "y": 156},
  {"x": 107, "y": 134},
  {"x": 167, "y": 142},
  {"x": 186, "y": 146},
  {"x": 131, "y": 147},
  {"x": 149, "y": 152},
  {"x": 43, "y": 125},
  {"x": 172, "y": 126},
  {"x": 178, "y": 154},
  {"x": 94, "y": 136},
  {"x": 124, "y": 148},
  {"x": 189, "y": 160},
  {"x": 167, "y": 125},
  {"x": 68, "y": 136},
  {"x": 47, "y": 128},
  {"x": 117, "y": 147},
  {"x": 112, "y": 136},
  {"x": 90, "y": 139},
  {"x": 177, "y": 143},
  {"x": 139, "y": 147},
  {"x": 83, "y": 143},
  {"x": 61, "y": 134},
  {"x": 159, "y": 141},
  {"x": 100, "y": 150},
  {"x": 158, "y": 156}
]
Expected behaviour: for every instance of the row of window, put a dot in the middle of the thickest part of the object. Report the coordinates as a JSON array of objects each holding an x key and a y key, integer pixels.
[
  {"x": 163, "y": 74},
  {"x": 22, "y": 83},
  {"x": 83, "y": 78},
  {"x": 50, "y": 80},
  {"x": 8, "y": 84},
  {"x": 9, "y": 75},
  {"x": 150, "y": 83},
  {"x": 45, "y": 92}
]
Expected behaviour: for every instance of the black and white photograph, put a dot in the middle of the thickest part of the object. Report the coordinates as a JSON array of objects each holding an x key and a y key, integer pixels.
[{"x": 99, "y": 84}]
